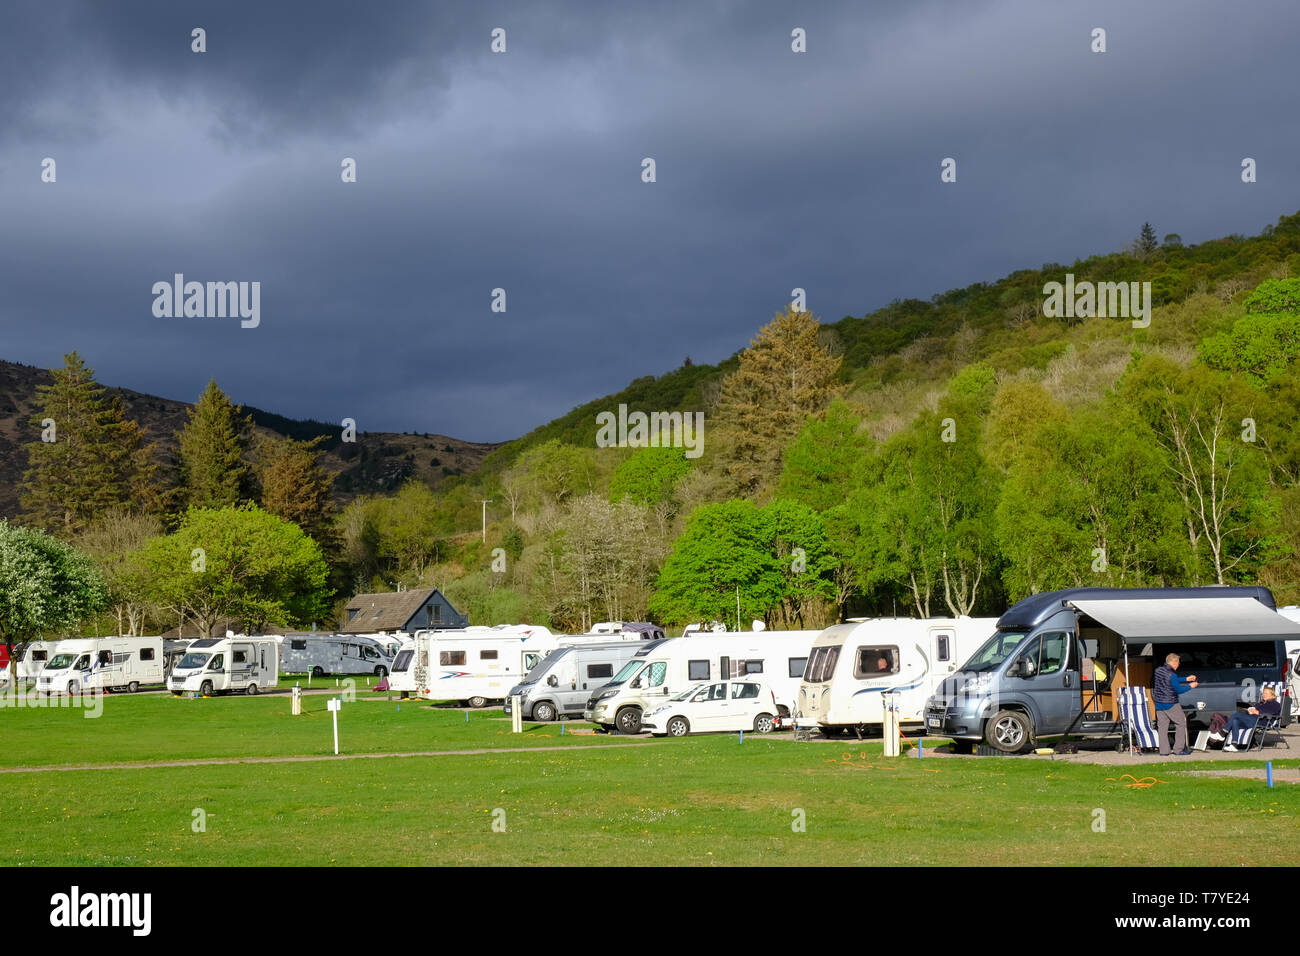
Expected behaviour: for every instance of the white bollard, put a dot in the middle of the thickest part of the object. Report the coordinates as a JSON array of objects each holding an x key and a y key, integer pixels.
[
  {"x": 890, "y": 702},
  {"x": 516, "y": 715},
  {"x": 335, "y": 705},
  {"x": 297, "y": 699}
]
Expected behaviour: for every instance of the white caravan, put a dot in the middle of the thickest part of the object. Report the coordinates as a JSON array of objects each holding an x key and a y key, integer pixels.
[
  {"x": 852, "y": 665},
  {"x": 234, "y": 662},
  {"x": 35, "y": 656},
  {"x": 99, "y": 663},
  {"x": 343, "y": 654},
  {"x": 477, "y": 665},
  {"x": 670, "y": 667}
]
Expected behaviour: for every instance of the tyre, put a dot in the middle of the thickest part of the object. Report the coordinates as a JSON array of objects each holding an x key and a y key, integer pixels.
[
  {"x": 381, "y": 671},
  {"x": 965, "y": 747},
  {"x": 628, "y": 720},
  {"x": 764, "y": 724},
  {"x": 544, "y": 711},
  {"x": 477, "y": 702},
  {"x": 1009, "y": 732},
  {"x": 133, "y": 687},
  {"x": 251, "y": 690},
  {"x": 318, "y": 671},
  {"x": 206, "y": 689},
  {"x": 72, "y": 688},
  {"x": 678, "y": 727}
]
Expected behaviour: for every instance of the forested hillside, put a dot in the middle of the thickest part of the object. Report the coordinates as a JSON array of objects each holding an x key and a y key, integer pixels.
[{"x": 933, "y": 457}]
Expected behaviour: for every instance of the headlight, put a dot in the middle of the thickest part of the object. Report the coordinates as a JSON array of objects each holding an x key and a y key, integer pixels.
[{"x": 606, "y": 695}]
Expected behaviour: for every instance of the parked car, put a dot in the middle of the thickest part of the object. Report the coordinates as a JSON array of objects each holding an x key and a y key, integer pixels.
[{"x": 729, "y": 705}]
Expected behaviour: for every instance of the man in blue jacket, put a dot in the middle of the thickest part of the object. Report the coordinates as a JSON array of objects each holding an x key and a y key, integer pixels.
[{"x": 1167, "y": 688}]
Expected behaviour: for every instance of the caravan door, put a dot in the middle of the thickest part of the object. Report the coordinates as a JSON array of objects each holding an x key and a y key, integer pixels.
[{"x": 943, "y": 652}]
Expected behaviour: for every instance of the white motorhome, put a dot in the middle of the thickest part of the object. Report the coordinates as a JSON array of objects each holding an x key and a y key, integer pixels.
[
  {"x": 671, "y": 666},
  {"x": 561, "y": 684},
  {"x": 402, "y": 676},
  {"x": 853, "y": 665},
  {"x": 477, "y": 665},
  {"x": 100, "y": 663},
  {"x": 234, "y": 662},
  {"x": 343, "y": 654}
]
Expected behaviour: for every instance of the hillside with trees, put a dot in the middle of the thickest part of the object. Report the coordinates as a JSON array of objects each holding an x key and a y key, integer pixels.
[{"x": 934, "y": 457}]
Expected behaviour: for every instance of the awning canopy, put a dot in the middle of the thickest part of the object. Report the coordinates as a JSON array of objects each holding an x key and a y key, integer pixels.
[{"x": 1189, "y": 620}]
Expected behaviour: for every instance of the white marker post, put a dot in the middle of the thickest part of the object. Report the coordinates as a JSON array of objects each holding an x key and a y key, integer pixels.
[
  {"x": 335, "y": 705},
  {"x": 516, "y": 714}
]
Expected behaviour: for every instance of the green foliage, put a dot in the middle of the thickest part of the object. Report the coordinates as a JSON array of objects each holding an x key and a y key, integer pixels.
[
  {"x": 237, "y": 563},
  {"x": 45, "y": 585},
  {"x": 1275, "y": 297},
  {"x": 822, "y": 459},
  {"x": 648, "y": 475},
  {"x": 212, "y": 469}
]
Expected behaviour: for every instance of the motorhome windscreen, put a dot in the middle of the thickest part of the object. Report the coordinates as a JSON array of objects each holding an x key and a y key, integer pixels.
[
  {"x": 995, "y": 650},
  {"x": 193, "y": 660},
  {"x": 61, "y": 662},
  {"x": 403, "y": 661},
  {"x": 627, "y": 670}
]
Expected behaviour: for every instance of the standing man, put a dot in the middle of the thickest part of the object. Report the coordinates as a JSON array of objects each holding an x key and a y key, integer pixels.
[{"x": 1168, "y": 686}]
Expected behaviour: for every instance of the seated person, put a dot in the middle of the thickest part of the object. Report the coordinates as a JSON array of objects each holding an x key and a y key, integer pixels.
[{"x": 1268, "y": 705}]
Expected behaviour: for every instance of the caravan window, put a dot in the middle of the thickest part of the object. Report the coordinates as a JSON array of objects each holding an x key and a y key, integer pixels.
[
  {"x": 241, "y": 657},
  {"x": 298, "y": 645},
  {"x": 39, "y": 655},
  {"x": 105, "y": 657},
  {"x": 697, "y": 670},
  {"x": 741, "y": 668},
  {"x": 403, "y": 661},
  {"x": 821, "y": 664},
  {"x": 451, "y": 658},
  {"x": 531, "y": 660},
  {"x": 797, "y": 666},
  {"x": 943, "y": 647},
  {"x": 146, "y": 653},
  {"x": 487, "y": 655},
  {"x": 875, "y": 662}
]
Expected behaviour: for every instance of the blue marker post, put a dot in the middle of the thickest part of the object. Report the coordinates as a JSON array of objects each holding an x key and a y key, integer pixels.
[
  {"x": 561, "y": 729},
  {"x": 920, "y": 748},
  {"x": 1269, "y": 767},
  {"x": 467, "y": 716},
  {"x": 742, "y": 736}
]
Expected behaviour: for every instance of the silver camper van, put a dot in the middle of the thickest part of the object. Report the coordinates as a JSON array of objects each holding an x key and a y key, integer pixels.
[
  {"x": 564, "y": 679},
  {"x": 321, "y": 654}
]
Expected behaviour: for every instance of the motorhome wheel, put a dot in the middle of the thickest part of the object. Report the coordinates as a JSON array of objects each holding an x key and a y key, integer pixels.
[
  {"x": 1009, "y": 732},
  {"x": 678, "y": 727},
  {"x": 763, "y": 724},
  {"x": 133, "y": 687},
  {"x": 477, "y": 702},
  {"x": 628, "y": 720},
  {"x": 381, "y": 671},
  {"x": 543, "y": 711},
  {"x": 206, "y": 689},
  {"x": 72, "y": 688},
  {"x": 251, "y": 690},
  {"x": 318, "y": 671}
]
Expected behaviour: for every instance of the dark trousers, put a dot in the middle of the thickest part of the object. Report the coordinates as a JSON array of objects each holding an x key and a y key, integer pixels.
[{"x": 1163, "y": 717}]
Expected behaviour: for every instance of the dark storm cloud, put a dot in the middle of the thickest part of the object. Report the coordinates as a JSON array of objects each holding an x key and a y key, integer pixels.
[{"x": 522, "y": 171}]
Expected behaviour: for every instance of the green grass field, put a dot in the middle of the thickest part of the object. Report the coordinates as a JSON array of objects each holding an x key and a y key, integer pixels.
[{"x": 702, "y": 800}]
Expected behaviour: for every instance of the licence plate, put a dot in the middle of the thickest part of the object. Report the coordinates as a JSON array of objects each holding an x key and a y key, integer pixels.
[{"x": 934, "y": 722}]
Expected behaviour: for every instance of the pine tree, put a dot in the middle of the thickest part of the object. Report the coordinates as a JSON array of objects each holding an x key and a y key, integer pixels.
[
  {"x": 212, "y": 469},
  {"x": 784, "y": 376},
  {"x": 90, "y": 458},
  {"x": 1146, "y": 242},
  {"x": 296, "y": 488}
]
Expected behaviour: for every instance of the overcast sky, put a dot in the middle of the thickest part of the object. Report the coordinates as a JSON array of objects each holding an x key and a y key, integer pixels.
[{"x": 522, "y": 170}]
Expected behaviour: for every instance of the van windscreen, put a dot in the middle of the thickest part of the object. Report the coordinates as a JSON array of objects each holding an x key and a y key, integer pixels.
[
  {"x": 994, "y": 651},
  {"x": 193, "y": 660},
  {"x": 627, "y": 670}
]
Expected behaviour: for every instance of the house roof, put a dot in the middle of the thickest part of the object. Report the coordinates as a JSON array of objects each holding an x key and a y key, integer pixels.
[{"x": 387, "y": 611}]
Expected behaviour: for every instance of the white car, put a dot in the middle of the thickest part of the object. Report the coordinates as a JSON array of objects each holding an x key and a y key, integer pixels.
[{"x": 728, "y": 705}]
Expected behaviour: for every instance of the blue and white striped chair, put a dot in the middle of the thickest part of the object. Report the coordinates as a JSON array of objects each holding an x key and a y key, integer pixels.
[
  {"x": 1253, "y": 737},
  {"x": 1137, "y": 718}
]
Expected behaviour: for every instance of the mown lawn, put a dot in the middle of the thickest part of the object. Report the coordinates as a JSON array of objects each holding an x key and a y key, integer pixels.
[{"x": 702, "y": 800}]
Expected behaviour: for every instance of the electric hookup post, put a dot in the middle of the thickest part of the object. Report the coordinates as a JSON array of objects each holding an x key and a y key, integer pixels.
[
  {"x": 335, "y": 705},
  {"x": 516, "y": 715},
  {"x": 297, "y": 699},
  {"x": 890, "y": 701}
]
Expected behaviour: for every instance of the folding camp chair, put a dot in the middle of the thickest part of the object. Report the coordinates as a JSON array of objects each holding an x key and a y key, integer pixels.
[
  {"x": 1254, "y": 737},
  {"x": 1136, "y": 718}
]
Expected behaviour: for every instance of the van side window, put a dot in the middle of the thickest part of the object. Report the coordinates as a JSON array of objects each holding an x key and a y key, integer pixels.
[
  {"x": 797, "y": 664},
  {"x": 218, "y": 663},
  {"x": 451, "y": 658},
  {"x": 658, "y": 671},
  {"x": 487, "y": 655},
  {"x": 146, "y": 653},
  {"x": 597, "y": 671},
  {"x": 1056, "y": 652},
  {"x": 875, "y": 662},
  {"x": 241, "y": 657},
  {"x": 296, "y": 645},
  {"x": 697, "y": 670}
]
